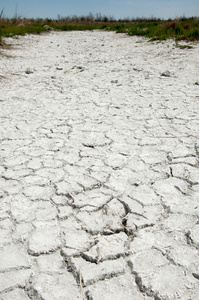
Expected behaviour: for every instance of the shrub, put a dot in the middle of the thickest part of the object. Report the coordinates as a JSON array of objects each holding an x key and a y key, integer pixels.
[
  {"x": 105, "y": 26},
  {"x": 120, "y": 28},
  {"x": 171, "y": 24},
  {"x": 186, "y": 26},
  {"x": 194, "y": 34},
  {"x": 178, "y": 30}
]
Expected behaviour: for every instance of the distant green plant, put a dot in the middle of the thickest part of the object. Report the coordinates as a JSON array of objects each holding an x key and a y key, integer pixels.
[
  {"x": 194, "y": 33},
  {"x": 105, "y": 26},
  {"x": 120, "y": 28},
  {"x": 183, "y": 46}
]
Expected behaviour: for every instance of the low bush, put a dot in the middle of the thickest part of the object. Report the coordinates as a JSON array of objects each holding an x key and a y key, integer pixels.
[{"x": 193, "y": 34}]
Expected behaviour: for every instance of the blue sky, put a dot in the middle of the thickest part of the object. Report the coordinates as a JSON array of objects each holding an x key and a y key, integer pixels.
[{"x": 116, "y": 8}]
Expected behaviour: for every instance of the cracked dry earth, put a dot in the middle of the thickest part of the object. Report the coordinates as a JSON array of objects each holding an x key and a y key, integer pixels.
[{"x": 99, "y": 155}]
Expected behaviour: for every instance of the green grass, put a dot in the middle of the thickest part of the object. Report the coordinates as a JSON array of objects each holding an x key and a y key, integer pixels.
[
  {"x": 178, "y": 30},
  {"x": 154, "y": 30},
  {"x": 183, "y": 29},
  {"x": 8, "y": 29}
]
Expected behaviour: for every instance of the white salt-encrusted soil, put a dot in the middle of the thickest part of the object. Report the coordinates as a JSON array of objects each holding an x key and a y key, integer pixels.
[{"x": 99, "y": 156}]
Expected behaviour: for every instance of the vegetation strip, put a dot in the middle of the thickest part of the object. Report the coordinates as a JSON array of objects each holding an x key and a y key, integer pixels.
[{"x": 155, "y": 29}]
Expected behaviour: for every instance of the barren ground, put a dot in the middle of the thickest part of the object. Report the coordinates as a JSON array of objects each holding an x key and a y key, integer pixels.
[{"x": 99, "y": 156}]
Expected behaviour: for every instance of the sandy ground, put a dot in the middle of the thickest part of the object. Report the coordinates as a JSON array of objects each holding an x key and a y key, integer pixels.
[{"x": 99, "y": 155}]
